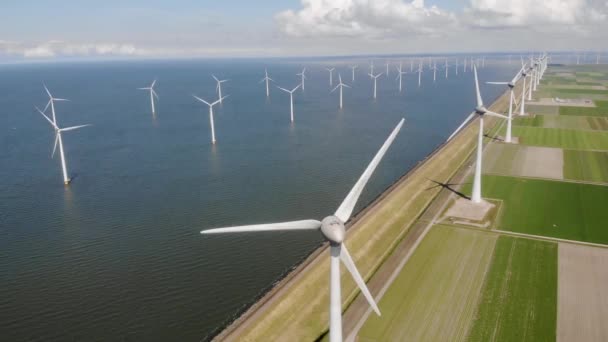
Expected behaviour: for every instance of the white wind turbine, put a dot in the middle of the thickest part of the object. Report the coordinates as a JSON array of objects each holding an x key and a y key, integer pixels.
[
  {"x": 353, "y": 67},
  {"x": 419, "y": 74},
  {"x": 411, "y": 65},
  {"x": 211, "y": 122},
  {"x": 152, "y": 95},
  {"x": 481, "y": 111},
  {"x": 400, "y": 75},
  {"x": 340, "y": 85},
  {"x": 219, "y": 88},
  {"x": 59, "y": 140},
  {"x": 387, "y": 68},
  {"x": 434, "y": 68},
  {"x": 331, "y": 76},
  {"x": 511, "y": 86},
  {"x": 303, "y": 77},
  {"x": 524, "y": 74},
  {"x": 456, "y": 67},
  {"x": 375, "y": 77},
  {"x": 290, "y": 98},
  {"x": 332, "y": 229},
  {"x": 446, "y": 68},
  {"x": 267, "y": 80}
]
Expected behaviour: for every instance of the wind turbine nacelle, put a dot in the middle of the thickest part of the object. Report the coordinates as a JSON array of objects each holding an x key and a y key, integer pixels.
[
  {"x": 511, "y": 85},
  {"x": 333, "y": 229},
  {"x": 481, "y": 110}
]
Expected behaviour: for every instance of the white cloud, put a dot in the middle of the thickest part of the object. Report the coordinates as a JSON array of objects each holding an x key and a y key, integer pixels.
[
  {"x": 538, "y": 14},
  {"x": 363, "y": 18}
]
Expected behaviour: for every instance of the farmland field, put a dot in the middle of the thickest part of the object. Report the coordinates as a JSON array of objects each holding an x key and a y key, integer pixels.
[
  {"x": 589, "y": 166},
  {"x": 564, "y": 121},
  {"x": 548, "y": 208},
  {"x": 435, "y": 295},
  {"x": 600, "y": 109},
  {"x": 519, "y": 300},
  {"x": 564, "y": 138}
]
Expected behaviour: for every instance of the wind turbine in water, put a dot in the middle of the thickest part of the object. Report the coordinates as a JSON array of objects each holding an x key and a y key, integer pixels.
[
  {"x": 290, "y": 98},
  {"x": 353, "y": 67},
  {"x": 511, "y": 86},
  {"x": 211, "y": 122},
  {"x": 152, "y": 95},
  {"x": 419, "y": 74},
  {"x": 332, "y": 229},
  {"x": 267, "y": 80},
  {"x": 340, "y": 85},
  {"x": 331, "y": 76},
  {"x": 219, "y": 87},
  {"x": 481, "y": 111},
  {"x": 302, "y": 77},
  {"x": 58, "y": 138},
  {"x": 375, "y": 77},
  {"x": 434, "y": 68},
  {"x": 400, "y": 74}
]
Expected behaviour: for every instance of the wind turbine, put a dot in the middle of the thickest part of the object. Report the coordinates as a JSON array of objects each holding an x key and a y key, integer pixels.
[
  {"x": 524, "y": 74},
  {"x": 303, "y": 77},
  {"x": 419, "y": 74},
  {"x": 340, "y": 85},
  {"x": 267, "y": 80},
  {"x": 400, "y": 75},
  {"x": 331, "y": 76},
  {"x": 353, "y": 67},
  {"x": 332, "y": 229},
  {"x": 58, "y": 139},
  {"x": 446, "y": 68},
  {"x": 481, "y": 111},
  {"x": 219, "y": 88},
  {"x": 511, "y": 86},
  {"x": 371, "y": 66},
  {"x": 211, "y": 122},
  {"x": 465, "y": 65},
  {"x": 387, "y": 69},
  {"x": 411, "y": 65},
  {"x": 375, "y": 77},
  {"x": 434, "y": 68},
  {"x": 152, "y": 95},
  {"x": 290, "y": 97},
  {"x": 456, "y": 67}
]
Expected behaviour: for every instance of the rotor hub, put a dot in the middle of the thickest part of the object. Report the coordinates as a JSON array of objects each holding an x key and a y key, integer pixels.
[
  {"x": 481, "y": 110},
  {"x": 333, "y": 230}
]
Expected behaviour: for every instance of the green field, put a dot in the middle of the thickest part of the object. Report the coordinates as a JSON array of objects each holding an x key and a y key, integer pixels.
[
  {"x": 563, "y": 121},
  {"x": 572, "y": 211},
  {"x": 559, "y": 137},
  {"x": 588, "y": 166},
  {"x": 600, "y": 109},
  {"x": 435, "y": 296},
  {"x": 519, "y": 300}
]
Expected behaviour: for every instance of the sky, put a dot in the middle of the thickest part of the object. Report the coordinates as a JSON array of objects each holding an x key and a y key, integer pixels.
[{"x": 49, "y": 30}]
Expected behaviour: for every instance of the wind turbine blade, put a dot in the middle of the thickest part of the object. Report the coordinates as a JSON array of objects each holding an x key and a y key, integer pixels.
[
  {"x": 517, "y": 76},
  {"x": 201, "y": 100},
  {"x": 47, "y": 91},
  {"x": 72, "y": 128},
  {"x": 47, "y": 105},
  {"x": 496, "y": 115},
  {"x": 347, "y": 206},
  {"x": 350, "y": 266},
  {"x": 153, "y": 83},
  {"x": 55, "y": 145},
  {"x": 346, "y": 85},
  {"x": 219, "y": 100},
  {"x": 46, "y": 117},
  {"x": 262, "y": 80},
  {"x": 479, "y": 100},
  {"x": 336, "y": 87},
  {"x": 143, "y": 88},
  {"x": 54, "y": 99},
  {"x": 296, "y": 88},
  {"x": 283, "y": 89},
  {"x": 215, "y": 78},
  {"x": 293, "y": 225},
  {"x": 497, "y": 83},
  {"x": 462, "y": 125},
  {"x": 154, "y": 93}
]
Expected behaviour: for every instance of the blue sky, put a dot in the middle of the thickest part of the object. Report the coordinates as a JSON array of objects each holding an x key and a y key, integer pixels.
[{"x": 154, "y": 28}]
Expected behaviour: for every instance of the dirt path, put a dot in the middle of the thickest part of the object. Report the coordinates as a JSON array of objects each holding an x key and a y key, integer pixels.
[{"x": 582, "y": 312}]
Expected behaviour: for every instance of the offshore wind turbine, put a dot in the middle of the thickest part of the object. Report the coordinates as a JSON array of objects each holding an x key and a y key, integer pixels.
[
  {"x": 267, "y": 80},
  {"x": 375, "y": 77},
  {"x": 290, "y": 98},
  {"x": 152, "y": 95},
  {"x": 481, "y": 111},
  {"x": 446, "y": 68},
  {"x": 434, "y": 68},
  {"x": 419, "y": 74},
  {"x": 456, "y": 67},
  {"x": 511, "y": 86},
  {"x": 353, "y": 67},
  {"x": 59, "y": 141},
  {"x": 332, "y": 229},
  {"x": 387, "y": 69},
  {"x": 211, "y": 122},
  {"x": 340, "y": 85},
  {"x": 400, "y": 75},
  {"x": 303, "y": 77},
  {"x": 219, "y": 88},
  {"x": 331, "y": 76}
]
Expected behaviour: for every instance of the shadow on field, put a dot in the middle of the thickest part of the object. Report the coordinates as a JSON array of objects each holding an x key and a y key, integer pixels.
[{"x": 448, "y": 186}]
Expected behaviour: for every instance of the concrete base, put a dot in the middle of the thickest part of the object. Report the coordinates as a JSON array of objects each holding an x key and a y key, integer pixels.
[
  {"x": 67, "y": 182},
  {"x": 514, "y": 140},
  {"x": 464, "y": 209}
]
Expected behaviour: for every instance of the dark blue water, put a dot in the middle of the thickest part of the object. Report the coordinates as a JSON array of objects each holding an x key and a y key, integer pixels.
[{"x": 117, "y": 255}]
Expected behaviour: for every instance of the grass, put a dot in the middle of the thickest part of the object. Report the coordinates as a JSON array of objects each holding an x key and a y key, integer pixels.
[
  {"x": 586, "y": 165},
  {"x": 534, "y": 121},
  {"x": 572, "y": 211},
  {"x": 600, "y": 109},
  {"x": 434, "y": 297},
  {"x": 559, "y": 137},
  {"x": 519, "y": 300},
  {"x": 563, "y": 121}
]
